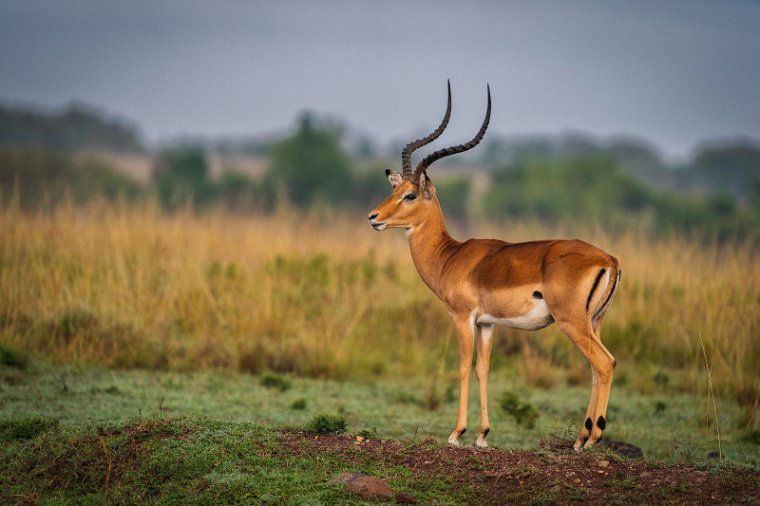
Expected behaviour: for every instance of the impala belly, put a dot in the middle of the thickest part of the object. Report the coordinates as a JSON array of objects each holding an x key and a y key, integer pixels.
[{"x": 537, "y": 318}]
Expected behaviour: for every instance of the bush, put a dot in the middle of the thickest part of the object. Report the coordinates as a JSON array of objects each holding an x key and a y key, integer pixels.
[
  {"x": 11, "y": 357},
  {"x": 25, "y": 428},
  {"x": 299, "y": 404},
  {"x": 327, "y": 424},
  {"x": 275, "y": 381},
  {"x": 524, "y": 414}
]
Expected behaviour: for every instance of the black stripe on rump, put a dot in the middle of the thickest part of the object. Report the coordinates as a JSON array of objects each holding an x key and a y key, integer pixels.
[
  {"x": 603, "y": 308},
  {"x": 593, "y": 288}
]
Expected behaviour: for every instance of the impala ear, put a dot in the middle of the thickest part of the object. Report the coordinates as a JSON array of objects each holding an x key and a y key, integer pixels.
[
  {"x": 426, "y": 186},
  {"x": 394, "y": 177}
]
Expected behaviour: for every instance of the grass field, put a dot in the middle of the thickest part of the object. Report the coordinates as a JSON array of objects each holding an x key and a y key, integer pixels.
[
  {"x": 670, "y": 427},
  {"x": 90, "y": 435},
  {"x": 322, "y": 296},
  {"x": 157, "y": 346}
]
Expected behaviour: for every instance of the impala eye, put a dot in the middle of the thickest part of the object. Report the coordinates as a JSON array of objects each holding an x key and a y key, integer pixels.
[{"x": 410, "y": 196}]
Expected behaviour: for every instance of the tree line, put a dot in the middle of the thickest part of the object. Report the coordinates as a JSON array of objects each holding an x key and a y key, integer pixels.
[{"x": 574, "y": 179}]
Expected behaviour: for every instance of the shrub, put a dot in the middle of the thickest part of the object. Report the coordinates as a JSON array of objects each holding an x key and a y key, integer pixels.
[
  {"x": 524, "y": 414},
  {"x": 327, "y": 424},
  {"x": 11, "y": 357},
  {"x": 275, "y": 381},
  {"x": 25, "y": 428},
  {"x": 299, "y": 404}
]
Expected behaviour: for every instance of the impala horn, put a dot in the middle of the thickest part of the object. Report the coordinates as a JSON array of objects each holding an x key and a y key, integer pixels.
[
  {"x": 453, "y": 150},
  {"x": 406, "y": 153}
]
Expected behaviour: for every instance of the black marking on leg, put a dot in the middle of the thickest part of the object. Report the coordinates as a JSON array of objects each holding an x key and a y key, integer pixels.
[
  {"x": 462, "y": 431},
  {"x": 538, "y": 295},
  {"x": 601, "y": 423},
  {"x": 593, "y": 288},
  {"x": 589, "y": 424},
  {"x": 486, "y": 431}
]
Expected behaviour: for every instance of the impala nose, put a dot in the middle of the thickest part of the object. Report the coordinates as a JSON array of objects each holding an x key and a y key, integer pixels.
[{"x": 372, "y": 216}]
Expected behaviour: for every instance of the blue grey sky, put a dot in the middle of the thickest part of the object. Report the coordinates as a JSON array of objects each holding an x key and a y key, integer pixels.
[{"x": 674, "y": 72}]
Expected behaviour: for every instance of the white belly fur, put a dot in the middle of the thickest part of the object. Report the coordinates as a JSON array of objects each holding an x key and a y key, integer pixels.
[{"x": 537, "y": 318}]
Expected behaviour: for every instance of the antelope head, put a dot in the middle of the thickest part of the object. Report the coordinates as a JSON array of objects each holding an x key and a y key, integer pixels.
[{"x": 413, "y": 196}]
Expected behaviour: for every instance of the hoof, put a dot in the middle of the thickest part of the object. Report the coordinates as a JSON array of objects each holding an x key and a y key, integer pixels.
[
  {"x": 481, "y": 441},
  {"x": 591, "y": 442},
  {"x": 454, "y": 437},
  {"x": 454, "y": 441}
]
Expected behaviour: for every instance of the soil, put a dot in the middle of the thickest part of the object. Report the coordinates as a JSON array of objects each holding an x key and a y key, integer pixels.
[{"x": 553, "y": 474}]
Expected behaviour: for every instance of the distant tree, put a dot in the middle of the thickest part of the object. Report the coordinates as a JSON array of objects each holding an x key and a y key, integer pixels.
[
  {"x": 588, "y": 188},
  {"x": 311, "y": 165},
  {"x": 370, "y": 186},
  {"x": 78, "y": 126},
  {"x": 42, "y": 177},
  {"x": 240, "y": 192},
  {"x": 181, "y": 177},
  {"x": 728, "y": 167},
  {"x": 453, "y": 195}
]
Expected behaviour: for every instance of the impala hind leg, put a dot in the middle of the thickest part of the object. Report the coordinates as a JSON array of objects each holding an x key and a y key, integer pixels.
[
  {"x": 465, "y": 331},
  {"x": 483, "y": 345},
  {"x": 602, "y": 367}
]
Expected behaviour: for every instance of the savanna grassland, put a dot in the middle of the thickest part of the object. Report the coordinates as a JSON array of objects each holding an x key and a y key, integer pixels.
[{"x": 123, "y": 314}]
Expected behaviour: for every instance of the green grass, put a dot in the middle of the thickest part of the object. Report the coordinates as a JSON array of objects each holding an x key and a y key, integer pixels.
[
  {"x": 76, "y": 396},
  {"x": 170, "y": 461}
]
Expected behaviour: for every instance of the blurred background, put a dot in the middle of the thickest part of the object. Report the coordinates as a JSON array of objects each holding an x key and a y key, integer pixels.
[{"x": 185, "y": 185}]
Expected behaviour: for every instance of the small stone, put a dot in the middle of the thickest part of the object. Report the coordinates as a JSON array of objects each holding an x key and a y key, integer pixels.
[
  {"x": 360, "y": 438},
  {"x": 403, "y": 498},
  {"x": 599, "y": 471},
  {"x": 369, "y": 488},
  {"x": 577, "y": 481},
  {"x": 603, "y": 463}
]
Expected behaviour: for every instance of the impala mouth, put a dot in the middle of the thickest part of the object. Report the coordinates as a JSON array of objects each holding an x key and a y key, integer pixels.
[{"x": 377, "y": 225}]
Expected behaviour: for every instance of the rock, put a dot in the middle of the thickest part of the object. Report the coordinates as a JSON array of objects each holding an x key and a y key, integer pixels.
[
  {"x": 624, "y": 449},
  {"x": 403, "y": 498},
  {"x": 603, "y": 463},
  {"x": 366, "y": 487},
  {"x": 713, "y": 455}
]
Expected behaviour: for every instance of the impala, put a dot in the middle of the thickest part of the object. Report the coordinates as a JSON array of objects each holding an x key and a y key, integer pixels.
[{"x": 487, "y": 282}]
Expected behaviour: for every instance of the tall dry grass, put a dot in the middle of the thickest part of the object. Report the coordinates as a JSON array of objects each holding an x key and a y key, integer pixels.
[{"x": 321, "y": 294}]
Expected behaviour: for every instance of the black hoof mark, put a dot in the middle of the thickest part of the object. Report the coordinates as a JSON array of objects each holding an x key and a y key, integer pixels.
[
  {"x": 601, "y": 423},
  {"x": 462, "y": 431},
  {"x": 486, "y": 431},
  {"x": 538, "y": 295},
  {"x": 589, "y": 424}
]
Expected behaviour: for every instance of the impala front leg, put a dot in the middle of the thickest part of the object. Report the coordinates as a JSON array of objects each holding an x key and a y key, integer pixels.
[{"x": 465, "y": 331}]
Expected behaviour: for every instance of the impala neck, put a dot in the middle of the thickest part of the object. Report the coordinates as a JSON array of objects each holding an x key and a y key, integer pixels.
[{"x": 430, "y": 245}]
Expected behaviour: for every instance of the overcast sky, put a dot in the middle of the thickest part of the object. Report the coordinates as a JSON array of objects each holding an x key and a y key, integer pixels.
[{"x": 674, "y": 72}]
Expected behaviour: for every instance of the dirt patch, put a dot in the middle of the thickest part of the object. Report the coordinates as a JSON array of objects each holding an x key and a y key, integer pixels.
[{"x": 551, "y": 474}]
